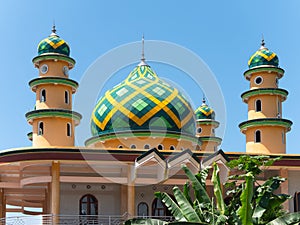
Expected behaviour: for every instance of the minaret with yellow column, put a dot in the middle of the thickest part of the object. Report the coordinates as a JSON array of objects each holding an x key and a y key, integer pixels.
[
  {"x": 205, "y": 128},
  {"x": 265, "y": 128},
  {"x": 52, "y": 119}
]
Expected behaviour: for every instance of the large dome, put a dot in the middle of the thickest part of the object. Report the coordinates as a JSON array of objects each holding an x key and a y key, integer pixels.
[
  {"x": 54, "y": 44},
  {"x": 263, "y": 57},
  {"x": 142, "y": 102}
]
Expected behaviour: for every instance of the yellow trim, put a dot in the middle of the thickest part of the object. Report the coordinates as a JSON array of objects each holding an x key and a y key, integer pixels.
[
  {"x": 268, "y": 58},
  {"x": 55, "y": 45}
]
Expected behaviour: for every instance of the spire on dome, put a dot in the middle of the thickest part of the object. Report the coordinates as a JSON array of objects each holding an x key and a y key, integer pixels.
[
  {"x": 204, "y": 100},
  {"x": 263, "y": 43},
  {"x": 53, "y": 30},
  {"x": 143, "y": 60}
]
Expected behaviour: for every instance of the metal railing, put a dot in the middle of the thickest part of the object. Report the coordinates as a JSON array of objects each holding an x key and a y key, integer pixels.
[{"x": 50, "y": 219}]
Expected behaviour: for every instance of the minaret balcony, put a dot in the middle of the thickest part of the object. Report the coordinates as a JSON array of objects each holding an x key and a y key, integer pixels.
[
  {"x": 278, "y": 122},
  {"x": 53, "y": 80},
  {"x": 60, "y": 113},
  {"x": 265, "y": 91}
]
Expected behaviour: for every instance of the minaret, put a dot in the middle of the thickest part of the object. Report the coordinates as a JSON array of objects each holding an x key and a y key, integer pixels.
[
  {"x": 205, "y": 128},
  {"x": 52, "y": 119},
  {"x": 265, "y": 128}
]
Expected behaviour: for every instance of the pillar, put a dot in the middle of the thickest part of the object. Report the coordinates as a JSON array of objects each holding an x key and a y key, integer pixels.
[
  {"x": 284, "y": 187},
  {"x": 55, "y": 191},
  {"x": 130, "y": 192}
]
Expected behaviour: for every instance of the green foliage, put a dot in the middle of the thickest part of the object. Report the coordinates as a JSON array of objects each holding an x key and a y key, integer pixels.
[{"x": 250, "y": 203}]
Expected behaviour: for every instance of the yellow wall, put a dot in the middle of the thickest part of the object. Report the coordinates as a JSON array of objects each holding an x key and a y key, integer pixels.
[
  {"x": 208, "y": 146},
  {"x": 55, "y": 132},
  {"x": 269, "y": 80},
  {"x": 141, "y": 142},
  {"x": 55, "y": 97},
  {"x": 55, "y": 68},
  {"x": 271, "y": 140},
  {"x": 269, "y": 105}
]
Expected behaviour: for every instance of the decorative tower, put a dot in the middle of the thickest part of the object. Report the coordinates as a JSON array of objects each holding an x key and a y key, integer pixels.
[
  {"x": 265, "y": 128},
  {"x": 206, "y": 125},
  {"x": 52, "y": 119}
]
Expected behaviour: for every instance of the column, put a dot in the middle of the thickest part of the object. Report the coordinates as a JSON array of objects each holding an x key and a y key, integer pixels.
[
  {"x": 55, "y": 191},
  {"x": 130, "y": 192},
  {"x": 284, "y": 187}
]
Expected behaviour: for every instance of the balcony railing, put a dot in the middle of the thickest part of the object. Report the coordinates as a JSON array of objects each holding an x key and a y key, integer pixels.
[{"x": 72, "y": 219}]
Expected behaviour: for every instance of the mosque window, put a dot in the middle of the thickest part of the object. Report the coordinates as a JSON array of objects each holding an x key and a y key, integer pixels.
[
  {"x": 120, "y": 146},
  {"x": 67, "y": 97},
  {"x": 133, "y": 146},
  {"x": 43, "y": 95},
  {"x": 199, "y": 130},
  {"x": 257, "y": 136},
  {"x": 213, "y": 131},
  {"x": 258, "y": 105},
  {"x": 277, "y": 81},
  {"x": 40, "y": 128},
  {"x": 69, "y": 130},
  {"x": 142, "y": 209},
  {"x": 160, "y": 147},
  {"x": 172, "y": 147},
  {"x": 66, "y": 71},
  {"x": 283, "y": 137},
  {"x": 258, "y": 80},
  {"x": 146, "y": 146},
  {"x": 158, "y": 208},
  {"x": 297, "y": 202},
  {"x": 44, "y": 69},
  {"x": 88, "y": 205}
]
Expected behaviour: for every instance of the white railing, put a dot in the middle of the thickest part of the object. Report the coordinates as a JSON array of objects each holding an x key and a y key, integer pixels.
[{"x": 72, "y": 219}]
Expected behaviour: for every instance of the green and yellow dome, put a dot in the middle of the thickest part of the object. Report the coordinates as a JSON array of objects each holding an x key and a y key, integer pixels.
[
  {"x": 205, "y": 112},
  {"x": 53, "y": 44},
  {"x": 263, "y": 57},
  {"x": 142, "y": 102}
]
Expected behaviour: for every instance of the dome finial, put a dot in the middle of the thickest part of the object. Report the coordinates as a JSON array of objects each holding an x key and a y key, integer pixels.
[
  {"x": 143, "y": 62},
  {"x": 262, "y": 42},
  {"x": 53, "y": 30},
  {"x": 203, "y": 100}
]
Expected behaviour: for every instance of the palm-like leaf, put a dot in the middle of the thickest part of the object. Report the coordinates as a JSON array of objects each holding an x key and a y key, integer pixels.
[
  {"x": 200, "y": 192},
  {"x": 185, "y": 206},
  {"x": 245, "y": 210},
  {"x": 145, "y": 222},
  {"x": 288, "y": 219},
  {"x": 171, "y": 205},
  {"x": 217, "y": 189}
]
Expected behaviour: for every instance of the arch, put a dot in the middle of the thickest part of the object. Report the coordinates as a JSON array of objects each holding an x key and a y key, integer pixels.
[
  {"x": 120, "y": 146},
  {"x": 143, "y": 209},
  {"x": 159, "y": 208},
  {"x": 43, "y": 95},
  {"x": 133, "y": 146},
  {"x": 88, "y": 205},
  {"x": 160, "y": 147},
  {"x": 40, "y": 128},
  {"x": 172, "y": 147},
  {"x": 257, "y": 136},
  {"x": 146, "y": 146},
  {"x": 67, "y": 97},
  {"x": 258, "y": 105},
  {"x": 69, "y": 129}
]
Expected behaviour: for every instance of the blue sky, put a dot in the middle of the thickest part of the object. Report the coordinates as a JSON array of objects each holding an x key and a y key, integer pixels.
[{"x": 223, "y": 33}]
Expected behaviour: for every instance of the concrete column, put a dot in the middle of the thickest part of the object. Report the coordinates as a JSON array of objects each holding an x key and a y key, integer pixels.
[
  {"x": 130, "y": 193},
  {"x": 123, "y": 193},
  {"x": 284, "y": 187},
  {"x": 2, "y": 204},
  {"x": 55, "y": 190}
]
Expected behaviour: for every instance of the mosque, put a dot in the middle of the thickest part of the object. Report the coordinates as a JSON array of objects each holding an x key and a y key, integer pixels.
[{"x": 142, "y": 130}]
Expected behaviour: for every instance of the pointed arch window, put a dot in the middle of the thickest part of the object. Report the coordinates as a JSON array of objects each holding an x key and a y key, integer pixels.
[
  {"x": 43, "y": 95},
  {"x": 40, "y": 128},
  {"x": 258, "y": 105},
  {"x": 69, "y": 130},
  {"x": 143, "y": 209},
  {"x": 257, "y": 136},
  {"x": 158, "y": 208},
  {"x": 88, "y": 205},
  {"x": 67, "y": 97}
]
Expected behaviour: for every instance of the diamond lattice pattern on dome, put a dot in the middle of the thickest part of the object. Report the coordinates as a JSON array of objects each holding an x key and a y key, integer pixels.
[{"x": 142, "y": 102}]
